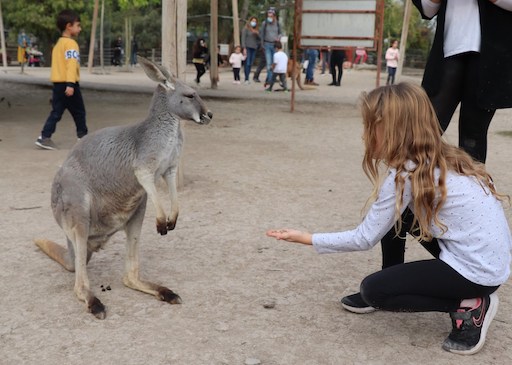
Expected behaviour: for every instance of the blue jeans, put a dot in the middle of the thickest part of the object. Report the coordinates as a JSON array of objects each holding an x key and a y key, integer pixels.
[
  {"x": 311, "y": 56},
  {"x": 269, "y": 58},
  {"x": 251, "y": 54}
]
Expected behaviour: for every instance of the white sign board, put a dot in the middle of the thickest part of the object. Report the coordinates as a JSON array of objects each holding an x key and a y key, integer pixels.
[{"x": 335, "y": 23}]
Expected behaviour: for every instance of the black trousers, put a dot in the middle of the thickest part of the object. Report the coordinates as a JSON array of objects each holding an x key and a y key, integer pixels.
[
  {"x": 420, "y": 286},
  {"x": 61, "y": 102},
  {"x": 336, "y": 63},
  {"x": 200, "y": 71},
  {"x": 236, "y": 73},
  {"x": 458, "y": 86}
]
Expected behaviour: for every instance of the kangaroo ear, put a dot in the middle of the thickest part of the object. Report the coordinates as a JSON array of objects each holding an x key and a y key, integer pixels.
[{"x": 156, "y": 73}]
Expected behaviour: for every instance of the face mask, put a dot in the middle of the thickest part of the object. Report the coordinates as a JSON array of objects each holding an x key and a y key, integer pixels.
[
  {"x": 253, "y": 24},
  {"x": 270, "y": 20}
]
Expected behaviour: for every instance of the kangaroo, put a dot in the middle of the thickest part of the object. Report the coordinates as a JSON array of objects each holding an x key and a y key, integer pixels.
[
  {"x": 103, "y": 185},
  {"x": 294, "y": 74}
]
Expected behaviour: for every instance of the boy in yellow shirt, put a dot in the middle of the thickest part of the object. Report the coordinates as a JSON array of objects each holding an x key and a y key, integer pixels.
[{"x": 65, "y": 74}]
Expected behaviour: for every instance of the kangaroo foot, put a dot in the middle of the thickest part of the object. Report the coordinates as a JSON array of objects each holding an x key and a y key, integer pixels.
[
  {"x": 161, "y": 227},
  {"x": 167, "y": 295},
  {"x": 97, "y": 308}
]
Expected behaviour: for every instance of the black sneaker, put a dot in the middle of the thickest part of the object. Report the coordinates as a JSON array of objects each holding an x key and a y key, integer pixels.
[
  {"x": 470, "y": 327},
  {"x": 355, "y": 303},
  {"x": 256, "y": 80},
  {"x": 46, "y": 143}
]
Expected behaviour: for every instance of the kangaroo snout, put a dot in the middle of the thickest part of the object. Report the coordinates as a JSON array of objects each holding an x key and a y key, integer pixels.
[{"x": 206, "y": 117}]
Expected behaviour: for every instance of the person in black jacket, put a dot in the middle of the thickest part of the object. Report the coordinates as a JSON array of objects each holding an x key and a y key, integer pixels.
[
  {"x": 470, "y": 64},
  {"x": 199, "y": 58}
]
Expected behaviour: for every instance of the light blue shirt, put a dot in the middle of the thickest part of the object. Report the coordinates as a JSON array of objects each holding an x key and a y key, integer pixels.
[{"x": 477, "y": 243}]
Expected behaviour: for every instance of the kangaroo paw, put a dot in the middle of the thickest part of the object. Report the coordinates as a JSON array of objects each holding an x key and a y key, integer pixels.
[
  {"x": 97, "y": 308},
  {"x": 167, "y": 295},
  {"x": 171, "y": 225},
  {"x": 161, "y": 227}
]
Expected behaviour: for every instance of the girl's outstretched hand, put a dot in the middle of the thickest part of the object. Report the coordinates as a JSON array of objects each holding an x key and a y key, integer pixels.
[{"x": 291, "y": 235}]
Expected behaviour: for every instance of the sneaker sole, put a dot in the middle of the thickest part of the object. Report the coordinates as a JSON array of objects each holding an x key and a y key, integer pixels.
[
  {"x": 489, "y": 316},
  {"x": 45, "y": 147},
  {"x": 357, "y": 310}
]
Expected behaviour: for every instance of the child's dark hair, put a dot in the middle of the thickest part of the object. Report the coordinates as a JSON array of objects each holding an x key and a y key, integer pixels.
[
  {"x": 278, "y": 45},
  {"x": 66, "y": 17}
]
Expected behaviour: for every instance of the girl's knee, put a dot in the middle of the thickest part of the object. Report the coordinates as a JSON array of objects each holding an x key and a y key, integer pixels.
[{"x": 370, "y": 291}]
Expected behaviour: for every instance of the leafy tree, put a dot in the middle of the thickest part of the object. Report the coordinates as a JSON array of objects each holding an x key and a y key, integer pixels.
[
  {"x": 38, "y": 18},
  {"x": 420, "y": 31}
]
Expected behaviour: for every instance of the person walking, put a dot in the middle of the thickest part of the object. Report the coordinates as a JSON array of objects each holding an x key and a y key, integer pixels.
[
  {"x": 65, "y": 75},
  {"x": 262, "y": 63},
  {"x": 392, "y": 57},
  {"x": 250, "y": 44},
  {"x": 337, "y": 58},
  {"x": 311, "y": 55},
  {"x": 279, "y": 66},
  {"x": 269, "y": 34},
  {"x": 235, "y": 61},
  {"x": 199, "y": 57},
  {"x": 23, "y": 45}
]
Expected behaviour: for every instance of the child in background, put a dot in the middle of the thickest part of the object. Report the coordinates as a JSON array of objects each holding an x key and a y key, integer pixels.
[
  {"x": 442, "y": 197},
  {"x": 392, "y": 57},
  {"x": 235, "y": 60},
  {"x": 279, "y": 67},
  {"x": 65, "y": 74}
]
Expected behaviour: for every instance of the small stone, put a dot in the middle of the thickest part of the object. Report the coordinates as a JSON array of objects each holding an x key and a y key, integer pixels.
[
  {"x": 252, "y": 361},
  {"x": 269, "y": 304}
]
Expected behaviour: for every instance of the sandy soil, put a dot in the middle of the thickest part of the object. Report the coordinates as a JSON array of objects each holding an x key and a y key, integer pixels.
[{"x": 245, "y": 296}]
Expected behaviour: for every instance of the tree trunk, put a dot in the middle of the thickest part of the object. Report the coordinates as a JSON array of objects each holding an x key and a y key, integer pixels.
[{"x": 90, "y": 59}]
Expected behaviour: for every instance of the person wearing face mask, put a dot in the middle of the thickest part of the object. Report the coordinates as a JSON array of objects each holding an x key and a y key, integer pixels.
[
  {"x": 250, "y": 43},
  {"x": 269, "y": 34}
]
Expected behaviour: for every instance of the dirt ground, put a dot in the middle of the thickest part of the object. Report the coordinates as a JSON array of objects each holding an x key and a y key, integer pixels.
[{"x": 245, "y": 297}]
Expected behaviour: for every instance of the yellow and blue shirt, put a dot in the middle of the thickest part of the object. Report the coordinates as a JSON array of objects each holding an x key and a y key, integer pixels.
[{"x": 65, "y": 61}]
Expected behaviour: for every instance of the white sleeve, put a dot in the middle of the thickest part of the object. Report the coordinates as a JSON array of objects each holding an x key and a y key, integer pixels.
[
  {"x": 504, "y": 4},
  {"x": 430, "y": 8},
  {"x": 377, "y": 222}
]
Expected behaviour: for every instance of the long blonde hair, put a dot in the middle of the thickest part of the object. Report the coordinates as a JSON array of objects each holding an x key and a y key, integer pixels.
[{"x": 409, "y": 130}]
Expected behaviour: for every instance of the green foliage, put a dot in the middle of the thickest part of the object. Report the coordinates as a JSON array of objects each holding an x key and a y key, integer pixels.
[
  {"x": 37, "y": 18},
  {"x": 419, "y": 33}
]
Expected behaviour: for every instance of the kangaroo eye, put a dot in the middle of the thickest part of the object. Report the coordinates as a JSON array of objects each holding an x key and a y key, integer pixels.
[{"x": 190, "y": 96}]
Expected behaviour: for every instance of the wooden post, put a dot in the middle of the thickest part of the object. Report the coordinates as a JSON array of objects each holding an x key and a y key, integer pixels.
[
  {"x": 181, "y": 36},
  {"x": 169, "y": 35},
  {"x": 380, "y": 33},
  {"x": 214, "y": 27},
  {"x": 90, "y": 60},
  {"x": 236, "y": 24},
  {"x": 102, "y": 46},
  {"x": 174, "y": 37},
  {"x": 174, "y": 47},
  {"x": 2, "y": 39},
  {"x": 297, "y": 29},
  {"x": 403, "y": 38}
]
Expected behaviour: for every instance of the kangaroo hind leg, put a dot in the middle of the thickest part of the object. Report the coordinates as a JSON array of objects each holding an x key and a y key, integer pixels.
[
  {"x": 65, "y": 257},
  {"x": 131, "y": 276}
]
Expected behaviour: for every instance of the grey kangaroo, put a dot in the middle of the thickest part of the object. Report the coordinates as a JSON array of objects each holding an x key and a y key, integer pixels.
[{"x": 103, "y": 185}]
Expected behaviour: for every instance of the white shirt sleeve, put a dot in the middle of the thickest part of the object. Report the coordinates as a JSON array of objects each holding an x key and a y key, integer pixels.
[
  {"x": 377, "y": 222},
  {"x": 430, "y": 8},
  {"x": 504, "y": 4}
]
